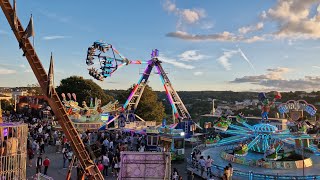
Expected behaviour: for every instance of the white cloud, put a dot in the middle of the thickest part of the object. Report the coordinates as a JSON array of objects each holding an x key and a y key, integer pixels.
[
  {"x": 174, "y": 62},
  {"x": 192, "y": 16},
  {"x": 207, "y": 25},
  {"x": 247, "y": 29},
  {"x": 254, "y": 39},
  {"x": 296, "y": 19},
  {"x": 277, "y": 73},
  {"x": 277, "y": 82},
  {"x": 7, "y": 71},
  {"x": 318, "y": 67},
  {"x": 185, "y": 16},
  {"x": 54, "y": 37},
  {"x": 289, "y": 19},
  {"x": 198, "y": 73},
  {"x": 28, "y": 71},
  {"x": 192, "y": 55},
  {"x": 223, "y": 37},
  {"x": 224, "y": 59},
  {"x": 169, "y": 6},
  {"x": 51, "y": 15}
]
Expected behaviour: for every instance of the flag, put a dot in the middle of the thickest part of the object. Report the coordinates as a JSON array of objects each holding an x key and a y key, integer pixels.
[
  {"x": 14, "y": 16},
  {"x": 29, "y": 30},
  {"x": 50, "y": 86}
]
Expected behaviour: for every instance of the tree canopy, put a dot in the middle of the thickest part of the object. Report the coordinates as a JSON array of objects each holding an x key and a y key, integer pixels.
[
  {"x": 149, "y": 108},
  {"x": 85, "y": 89}
]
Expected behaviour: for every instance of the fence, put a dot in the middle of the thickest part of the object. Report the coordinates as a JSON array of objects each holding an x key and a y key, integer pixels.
[
  {"x": 217, "y": 171},
  {"x": 13, "y": 150}
]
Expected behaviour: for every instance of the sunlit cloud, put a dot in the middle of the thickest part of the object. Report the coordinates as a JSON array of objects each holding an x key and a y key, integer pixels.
[
  {"x": 223, "y": 37},
  {"x": 4, "y": 71},
  {"x": 274, "y": 79},
  {"x": 252, "y": 28},
  {"x": 192, "y": 55},
  {"x": 186, "y": 16},
  {"x": 198, "y": 73},
  {"x": 174, "y": 62},
  {"x": 224, "y": 59}
]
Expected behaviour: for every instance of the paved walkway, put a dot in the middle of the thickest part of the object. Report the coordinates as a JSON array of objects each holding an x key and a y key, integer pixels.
[
  {"x": 58, "y": 173},
  {"x": 55, "y": 169}
]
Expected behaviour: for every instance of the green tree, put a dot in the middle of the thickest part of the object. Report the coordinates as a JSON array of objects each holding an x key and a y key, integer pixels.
[
  {"x": 6, "y": 105},
  {"x": 85, "y": 89},
  {"x": 149, "y": 107}
]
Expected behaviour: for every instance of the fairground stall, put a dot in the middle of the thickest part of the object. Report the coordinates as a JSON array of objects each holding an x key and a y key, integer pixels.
[{"x": 172, "y": 140}]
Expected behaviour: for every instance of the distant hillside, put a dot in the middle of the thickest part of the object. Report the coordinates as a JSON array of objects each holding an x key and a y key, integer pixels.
[{"x": 199, "y": 102}]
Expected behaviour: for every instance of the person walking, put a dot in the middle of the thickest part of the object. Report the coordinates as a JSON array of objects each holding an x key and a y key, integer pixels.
[
  {"x": 70, "y": 155},
  {"x": 208, "y": 166},
  {"x": 46, "y": 164},
  {"x": 202, "y": 164},
  {"x": 39, "y": 164},
  {"x": 175, "y": 174},
  {"x": 30, "y": 156},
  {"x": 42, "y": 144},
  {"x": 65, "y": 157},
  {"x": 105, "y": 163},
  {"x": 58, "y": 144},
  {"x": 116, "y": 165}
]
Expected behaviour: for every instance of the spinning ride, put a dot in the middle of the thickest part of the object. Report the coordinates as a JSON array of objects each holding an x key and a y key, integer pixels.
[
  {"x": 108, "y": 64},
  {"x": 109, "y": 60},
  {"x": 266, "y": 139},
  {"x": 261, "y": 144}
]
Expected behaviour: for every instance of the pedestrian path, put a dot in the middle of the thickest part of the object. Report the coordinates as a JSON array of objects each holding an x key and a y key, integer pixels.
[{"x": 197, "y": 172}]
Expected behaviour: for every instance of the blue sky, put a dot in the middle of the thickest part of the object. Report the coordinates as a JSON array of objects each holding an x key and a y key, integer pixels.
[{"x": 205, "y": 45}]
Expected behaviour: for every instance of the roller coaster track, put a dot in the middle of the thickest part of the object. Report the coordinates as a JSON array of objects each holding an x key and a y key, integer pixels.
[{"x": 68, "y": 128}]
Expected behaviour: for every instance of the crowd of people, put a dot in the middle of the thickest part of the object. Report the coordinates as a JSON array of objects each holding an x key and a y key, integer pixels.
[
  {"x": 204, "y": 165},
  {"x": 111, "y": 144},
  {"x": 41, "y": 135}
]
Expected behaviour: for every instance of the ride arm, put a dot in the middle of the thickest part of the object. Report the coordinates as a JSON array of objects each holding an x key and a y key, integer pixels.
[
  {"x": 179, "y": 109},
  {"x": 135, "y": 95}
]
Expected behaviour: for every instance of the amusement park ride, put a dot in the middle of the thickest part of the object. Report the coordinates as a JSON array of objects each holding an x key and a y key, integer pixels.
[
  {"x": 108, "y": 64},
  {"x": 265, "y": 138},
  {"x": 45, "y": 82}
]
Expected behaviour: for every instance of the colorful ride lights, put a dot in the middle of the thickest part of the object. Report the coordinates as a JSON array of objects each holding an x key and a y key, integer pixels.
[{"x": 182, "y": 134}]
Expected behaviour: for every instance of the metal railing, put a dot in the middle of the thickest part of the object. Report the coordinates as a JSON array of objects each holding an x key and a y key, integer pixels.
[{"x": 218, "y": 171}]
